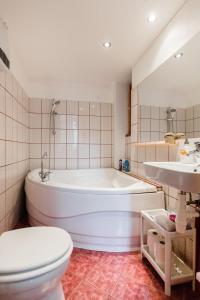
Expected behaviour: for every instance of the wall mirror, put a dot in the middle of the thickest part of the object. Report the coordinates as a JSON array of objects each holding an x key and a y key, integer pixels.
[{"x": 169, "y": 99}]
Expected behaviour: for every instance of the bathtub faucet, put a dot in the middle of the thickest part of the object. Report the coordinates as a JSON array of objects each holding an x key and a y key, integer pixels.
[{"x": 42, "y": 173}]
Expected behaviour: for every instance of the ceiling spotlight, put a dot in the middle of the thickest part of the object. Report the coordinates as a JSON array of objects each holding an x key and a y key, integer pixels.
[
  {"x": 178, "y": 55},
  {"x": 151, "y": 18},
  {"x": 107, "y": 44}
]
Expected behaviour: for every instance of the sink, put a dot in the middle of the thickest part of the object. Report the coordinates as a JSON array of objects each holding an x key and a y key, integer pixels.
[{"x": 181, "y": 176}]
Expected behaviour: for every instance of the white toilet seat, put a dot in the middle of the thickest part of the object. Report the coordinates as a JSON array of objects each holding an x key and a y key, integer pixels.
[{"x": 22, "y": 266}]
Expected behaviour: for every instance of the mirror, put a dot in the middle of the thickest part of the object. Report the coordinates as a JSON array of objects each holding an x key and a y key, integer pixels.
[{"x": 170, "y": 97}]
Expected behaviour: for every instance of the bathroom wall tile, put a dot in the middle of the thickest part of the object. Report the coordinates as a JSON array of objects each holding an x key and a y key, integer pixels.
[
  {"x": 106, "y": 151},
  {"x": 145, "y": 124},
  {"x": 163, "y": 126},
  {"x": 106, "y": 109},
  {"x": 2, "y": 78},
  {"x": 2, "y": 206},
  {"x": 72, "y": 107},
  {"x": 180, "y": 114},
  {"x": 2, "y": 100},
  {"x": 83, "y": 163},
  {"x": 162, "y": 152},
  {"x": 95, "y": 163},
  {"x": 2, "y": 126},
  {"x": 72, "y": 122},
  {"x": 134, "y": 114},
  {"x": 61, "y": 122},
  {"x": 72, "y": 151},
  {"x": 141, "y": 152},
  {"x": 2, "y": 180},
  {"x": 94, "y": 123},
  {"x": 15, "y": 110},
  {"x": 134, "y": 133},
  {"x": 189, "y": 126},
  {"x": 45, "y": 121},
  {"x": 180, "y": 126},
  {"x": 9, "y": 82},
  {"x": 106, "y": 123},
  {"x": 155, "y": 125},
  {"x": 83, "y": 151},
  {"x": 106, "y": 137},
  {"x": 145, "y": 112},
  {"x": 34, "y": 163},
  {"x": 83, "y": 108},
  {"x": 61, "y": 136},
  {"x": 95, "y": 136},
  {"x": 83, "y": 136},
  {"x": 60, "y": 150},
  {"x": 106, "y": 162},
  {"x": 134, "y": 152},
  {"x": 36, "y": 121},
  {"x": 197, "y": 124},
  {"x": 190, "y": 113},
  {"x": 9, "y": 104},
  {"x": 9, "y": 128},
  {"x": 155, "y": 136},
  {"x": 83, "y": 122},
  {"x": 163, "y": 113},
  {"x": 95, "y": 151},
  {"x": 72, "y": 136},
  {"x": 60, "y": 164},
  {"x": 145, "y": 136},
  {"x": 72, "y": 164},
  {"x": 46, "y": 105},
  {"x": 9, "y": 152},
  {"x": 155, "y": 112},
  {"x": 45, "y": 136},
  {"x": 36, "y": 106},
  {"x": 150, "y": 154},
  {"x": 35, "y": 150},
  {"x": 2, "y": 152},
  {"x": 35, "y": 135},
  {"x": 197, "y": 111},
  {"x": 173, "y": 152},
  {"x": 94, "y": 109}
]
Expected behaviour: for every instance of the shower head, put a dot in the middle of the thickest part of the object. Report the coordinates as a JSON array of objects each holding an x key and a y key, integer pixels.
[
  {"x": 170, "y": 113},
  {"x": 57, "y": 102}
]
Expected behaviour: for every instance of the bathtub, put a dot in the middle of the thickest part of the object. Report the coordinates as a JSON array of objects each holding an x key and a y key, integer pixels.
[{"x": 100, "y": 208}]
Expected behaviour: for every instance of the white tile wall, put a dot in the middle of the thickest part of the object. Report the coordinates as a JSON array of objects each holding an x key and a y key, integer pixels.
[
  {"x": 14, "y": 149},
  {"x": 83, "y": 134}
]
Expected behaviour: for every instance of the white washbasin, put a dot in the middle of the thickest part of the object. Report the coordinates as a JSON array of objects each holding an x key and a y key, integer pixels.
[{"x": 178, "y": 175}]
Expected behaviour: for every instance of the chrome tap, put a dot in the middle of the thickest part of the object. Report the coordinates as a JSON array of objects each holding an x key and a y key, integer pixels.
[
  {"x": 196, "y": 155},
  {"x": 43, "y": 175},
  {"x": 196, "y": 151}
]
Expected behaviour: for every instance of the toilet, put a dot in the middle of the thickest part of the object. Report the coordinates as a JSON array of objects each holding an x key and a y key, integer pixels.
[{"x": 32, "y": 263}]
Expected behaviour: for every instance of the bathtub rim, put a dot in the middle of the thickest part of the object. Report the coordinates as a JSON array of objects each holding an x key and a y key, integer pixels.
[{"x": 139, "y": 187}]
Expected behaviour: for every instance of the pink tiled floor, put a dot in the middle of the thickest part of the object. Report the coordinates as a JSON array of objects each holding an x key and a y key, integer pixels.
[
  {"x": 96, "y": 275},
  {"x": 111, "y": 276}
]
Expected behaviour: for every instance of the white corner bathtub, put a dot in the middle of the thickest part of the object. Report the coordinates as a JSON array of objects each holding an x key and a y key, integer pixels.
[{"x": 100, "y": 208}]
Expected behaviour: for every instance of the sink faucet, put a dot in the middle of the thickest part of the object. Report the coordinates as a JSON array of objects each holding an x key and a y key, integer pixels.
[
  {"x": 43, "y": 175},
  {"x": 196, "y": 155}
]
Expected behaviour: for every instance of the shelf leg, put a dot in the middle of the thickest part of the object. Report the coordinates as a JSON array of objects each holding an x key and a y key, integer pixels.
[
  {"x": 141, "y": 236},
  {"x": 168, "y": 266},
  {"x": 194, "y": 257}
]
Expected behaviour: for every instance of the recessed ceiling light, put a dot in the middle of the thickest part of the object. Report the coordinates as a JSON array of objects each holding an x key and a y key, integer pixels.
[
  {"x": 151, "y": 18},
  {"x": 107, "y": 44},
  {"x": 178, "y": 55}
]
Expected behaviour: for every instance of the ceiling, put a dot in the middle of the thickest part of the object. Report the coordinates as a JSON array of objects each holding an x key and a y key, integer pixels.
[
  {"x": 178, "y": 75},
  {"x": 61, "y": 40}
]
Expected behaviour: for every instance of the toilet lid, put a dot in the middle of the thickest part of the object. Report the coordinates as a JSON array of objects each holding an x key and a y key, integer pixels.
[{"x": 33, "y": 247}]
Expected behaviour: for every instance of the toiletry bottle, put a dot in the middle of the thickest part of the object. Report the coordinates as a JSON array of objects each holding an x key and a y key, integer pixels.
[{"x": 120, "y": 165}]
